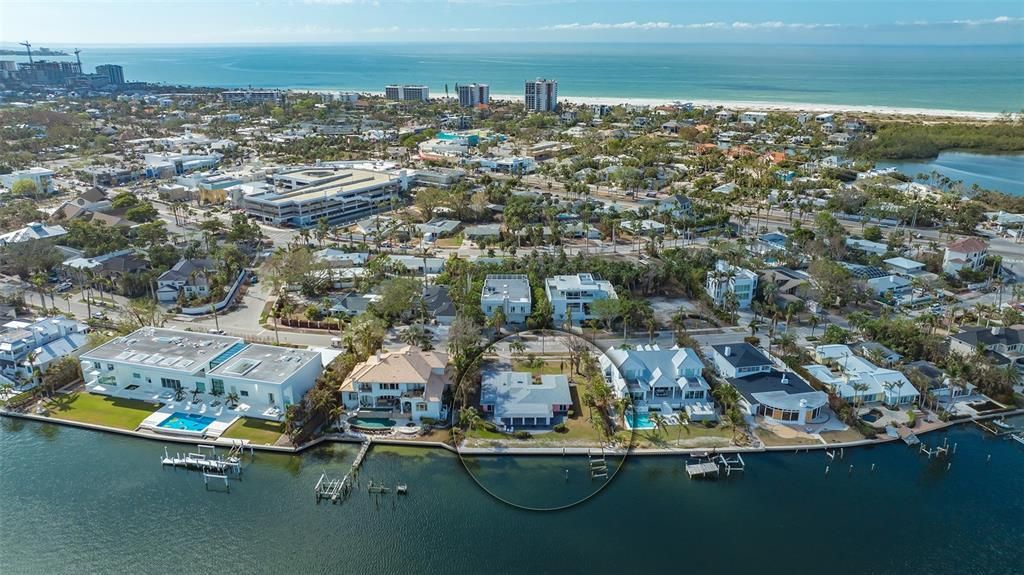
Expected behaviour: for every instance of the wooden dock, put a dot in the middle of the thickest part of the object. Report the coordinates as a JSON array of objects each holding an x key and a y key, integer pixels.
[
  {"x": 335, "y": 490},
  {"x": 702, "y": 469},
  {"x": 598, "y": 465},
  {"x": 907, "y": 436}
]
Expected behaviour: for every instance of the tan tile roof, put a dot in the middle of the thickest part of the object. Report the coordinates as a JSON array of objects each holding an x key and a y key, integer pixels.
[
  {"x": 407, "y": 365},
  {"x": 968, "y": 245}
]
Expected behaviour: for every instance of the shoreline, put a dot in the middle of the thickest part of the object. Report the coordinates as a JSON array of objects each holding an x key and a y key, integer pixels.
[
  {"x": 492, "y": 451},
  {"x": 734, "y": 105}
]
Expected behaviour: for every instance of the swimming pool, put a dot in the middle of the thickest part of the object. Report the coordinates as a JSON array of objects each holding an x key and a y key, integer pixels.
[
  {"x": 187, "y": 421},
  {"x": 372, "y": 423},
  {"x": 639, "y": 420}
]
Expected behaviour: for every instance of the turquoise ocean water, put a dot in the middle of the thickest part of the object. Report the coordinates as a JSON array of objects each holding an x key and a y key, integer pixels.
[{"x": 973, "y": 78}]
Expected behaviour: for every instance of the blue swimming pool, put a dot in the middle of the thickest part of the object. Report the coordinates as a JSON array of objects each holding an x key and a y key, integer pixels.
[
  {"x": 187, "y": 421},
  {"x": 639, "y": 420}
]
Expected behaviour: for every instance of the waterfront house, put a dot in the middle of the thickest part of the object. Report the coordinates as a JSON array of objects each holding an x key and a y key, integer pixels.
[
  {"x": 29, "y": 345},
  {"x": 651, "y": 376},
  {"x": 965, "y": 253},
  {"x": 155, "y": 363},
  {"x": 776, "y": 395},
  {"x": 940, "y": 386},
  {"x": 857, "y": 380},
  {"x": 409, "y": 382},
  {"x": 727, "y": 278},
  {"x": 509, "y": 293},
  {"x": 572, "y": 295},
  {"x": 515, "y": 399}
]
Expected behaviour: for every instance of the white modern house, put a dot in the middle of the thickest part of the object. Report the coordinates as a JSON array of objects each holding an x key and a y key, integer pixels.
[
  {"x": 155, "y": 363},
  {"x": 41, "y": 177},
  {"x": 572, "y": 295},
  {"x": 509, "y": 293},
  {"x": 857, "y": 380},
  {"x": 25, "y": 345},
  {"x": 727, "y": 278},
  {"x": 779, "y": 396},
  {"x": 514, "y": 399},
  {"x": 655, "y": 377},
  {"x": 969, "y": 253},
  {"x": 406, "y": 383}
]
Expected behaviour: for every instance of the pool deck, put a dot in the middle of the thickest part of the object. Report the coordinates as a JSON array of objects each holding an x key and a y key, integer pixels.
[{"x": 223, "y": 419}]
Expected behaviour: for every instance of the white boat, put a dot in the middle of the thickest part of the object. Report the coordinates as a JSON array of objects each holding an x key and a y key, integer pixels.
[{"x": 1001, "y": 423}]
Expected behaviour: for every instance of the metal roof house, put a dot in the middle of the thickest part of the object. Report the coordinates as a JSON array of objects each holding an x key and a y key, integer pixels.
[{"x": 514, "y": 399}]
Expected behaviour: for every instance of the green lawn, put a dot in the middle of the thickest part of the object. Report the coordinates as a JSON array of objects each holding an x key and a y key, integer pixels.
[
  {"x": 453, "y": 242},
  {"x": 543, "y": 368},
  {"x": 258, "y": 431},
  {"x": 692, "y": 435},
  {"x": 101, "y": 410}
]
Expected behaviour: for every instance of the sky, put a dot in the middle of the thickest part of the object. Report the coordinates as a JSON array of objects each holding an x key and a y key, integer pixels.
[{"x": 107, "y": 22}]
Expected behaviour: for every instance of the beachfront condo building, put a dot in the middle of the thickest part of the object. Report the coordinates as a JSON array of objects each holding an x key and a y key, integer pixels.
[
  {"x": 727, "y": 278},
  {"x": 571, "y": 296},
  {"x": 510, "y": 293},
  {"x": 337, "y": 194},
  {"x": 474, "y": 94},
  {"x": 405, "y": 383},
  {"x": 112, "y": 72},
  {"x": 251, "y": 97},
  {"x": 407, "y": 92},
  {"x": 541, "y": 95},
  {"x": 153, "y": 364}
]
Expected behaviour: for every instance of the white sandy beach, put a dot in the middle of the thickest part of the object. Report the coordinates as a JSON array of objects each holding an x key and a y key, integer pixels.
[{"x": 740, "y": 105}]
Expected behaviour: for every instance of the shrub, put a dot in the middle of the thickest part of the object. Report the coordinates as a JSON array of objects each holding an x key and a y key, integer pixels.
[
  {"x": 709, "y": 423},
  {"x": 523, "y": 435},
  {"x": 911, "y": 418},
  {"x": 490, "y": 426},
  {"x": 428, "y": 421},
  {"x": 571, "y": 413},
  {"x": 752, "y": 340},
  {"x": 561, "y": 428}
]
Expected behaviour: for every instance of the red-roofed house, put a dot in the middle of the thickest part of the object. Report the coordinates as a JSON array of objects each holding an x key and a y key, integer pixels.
[{"x": 967, "y": 253}]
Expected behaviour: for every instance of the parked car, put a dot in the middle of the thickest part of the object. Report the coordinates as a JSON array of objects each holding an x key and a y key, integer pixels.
[
  {"x": 64, "y": 286},
  {"x": 99, "y": 315}
]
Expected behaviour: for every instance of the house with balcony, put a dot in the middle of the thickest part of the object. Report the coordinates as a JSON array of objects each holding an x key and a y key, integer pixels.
[
  {"x": 515, "y": 399},
  {"x": 511, "y": 294},
  {"x": 859, "y": 381},
  {"x": 727, "y": 278},
  {"x": 573, "y": 295},
  {"x": 409, "y": 383},
  {"x": 29, "y": 345},
  {"x": 655, "y": 377},
  {"x": 965, "y": 253}
]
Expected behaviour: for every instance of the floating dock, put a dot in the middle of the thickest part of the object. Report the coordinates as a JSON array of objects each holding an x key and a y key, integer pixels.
[
  {"x": 598, "y": 465},
  {"x": 907, "y": 436},
  {"x": 702, "y": 469},
  {"x": 714, "y": 465}
]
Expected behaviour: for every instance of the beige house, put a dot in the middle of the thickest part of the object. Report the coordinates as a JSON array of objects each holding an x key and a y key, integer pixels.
[{"x": 409, "y": 383}]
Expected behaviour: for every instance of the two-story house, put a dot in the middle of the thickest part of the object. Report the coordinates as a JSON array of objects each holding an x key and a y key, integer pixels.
[
  {"x": 409, "y": 382},
  {"x": 509, "y": 293},
  {"x": 573, "y": 295},
  {"x": 652, "y": 376},
  {"x": 188, "y": 278},
  {"x": 25, "y": 346},
  {"x": 1003, "y": 345},
  {"x": 969, "y": 253},
  {"x": 727, "y": 278}
]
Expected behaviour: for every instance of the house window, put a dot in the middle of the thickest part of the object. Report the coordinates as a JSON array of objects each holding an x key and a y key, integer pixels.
[
  {"x": 660, "y": 392},
  {"x": 244, "y": 393},
  {"x": 421, "y": 406},
  {"x": 136, "y": 376},
  {"x": 201, "y": 386},
  {"x": 170, "y": 383},
  {"x": 110, "y": 367},
  {"x": 97, "y": 365},
  {"x": 218, "y": 386}
]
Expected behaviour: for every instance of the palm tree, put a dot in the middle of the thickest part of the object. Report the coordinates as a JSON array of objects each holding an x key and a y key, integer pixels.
[
  {"x": 727, "y": 396},
  {"x": 684, "y": 421},
  {"x": 498, "y": 320},
  {"x": 232, "y": 399},
  {"x": 660, "y": 422}
]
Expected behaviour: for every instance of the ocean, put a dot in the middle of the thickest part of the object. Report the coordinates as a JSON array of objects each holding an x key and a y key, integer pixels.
[
  {"x": 966, "y": 78},
  {"x": 77, "y": 501}
]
